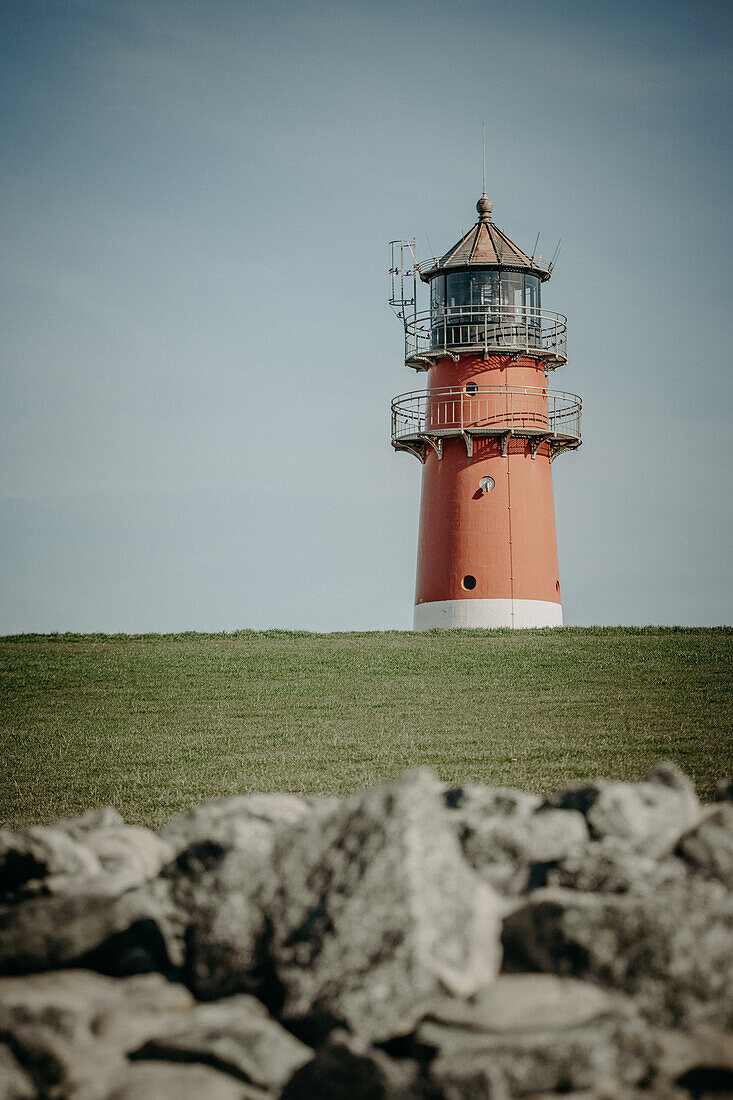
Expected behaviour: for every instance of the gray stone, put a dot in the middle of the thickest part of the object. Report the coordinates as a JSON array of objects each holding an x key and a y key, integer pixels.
[
  {"x": 73, "y": 998},
  {"x": 163, "y": 1081},
  {"x": 373, "y": 912},
  {"x": 79, "y": 1006},
  {"x": 28, "y": 859},
  {"x": 671, "y": 949},
  {"x": 129, "y": 855},
  {"x": 120, "y": 935},
  {"x": 75, "y": 1029},
  {"x": 648, "y": 816},
  {"x": 47, "y": 1019},
  {"x": 236, "y": 1035},
  {"x": 507, "y": 850},
  {"x": 473, "y": 803},
  {"x": 469, "y": 1078},
  {"x": 89, "y": 854},
  {"x": 708, "y": 846},
  {"x": 534, "y": 1033},
  {"x": 347, "y": 1069},
  {"x": 724, "y": 790},
  {"x": 576, "y": 796},
  {"x": 699, "y": 1061},
  {"x": 529, "y": 1002},
  {"x": 612, "y": 1090},
  {"x": 217, "y": 892},
  {"x": 101, "y": 817},
  {"x": 15, "y": 1084},
  {"x": 243, "y": 821},
  {"x": 610, "y": 866}
]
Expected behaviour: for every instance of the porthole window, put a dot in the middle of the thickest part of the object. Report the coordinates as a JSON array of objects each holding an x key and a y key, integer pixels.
[
  {"x": 487, "y": 484},
  {"x": 471, "y": 388},
  {"x": 469, "y": 582}
]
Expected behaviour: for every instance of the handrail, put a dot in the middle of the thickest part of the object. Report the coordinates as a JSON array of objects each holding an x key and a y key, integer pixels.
[
  {"x": 534, "y": 331},
  {"x": 488, "y": 410}
]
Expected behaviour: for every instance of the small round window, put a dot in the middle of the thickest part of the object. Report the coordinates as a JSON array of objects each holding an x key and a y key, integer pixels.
[
  {"x": 471, "y": 388},
  {"x": 487, "y": 484},
  {"x": 469, "y": 582}
]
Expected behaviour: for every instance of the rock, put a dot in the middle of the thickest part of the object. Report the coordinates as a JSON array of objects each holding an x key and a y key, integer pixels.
[
  {"x": 15, "y": 1084},
  {"x": 708, "y": 846},
  {"x": 532, "y": 1033},
  {"x": 217, "y": 892},
  {"x": 68, "y": 999},
  {"x": 509, "y": 851},
  {"x": 118, "y": 935},
  {"x": 129, "y": 856},
  {"x": 610, "y": 866},
  {"x": 699, "y": 1061},
  {"x": 94, "y": 853},
  {"x": 71, "y": 1028},
  {"x": 576, "y": 796},
  {"x": 244, "y": 821},
  {"x": 75, "y": 1030},
  {"x": 345, "y": 1069},
  {"x": 649, "y": 817},
  {"x": 79, "y": 1003},
  {"x": 724, "y": 790},
  {"x": 235, "y": 1034},
  {"x": 473, "y": 803},
  {"x": 163, "y": 1081},
  {"x": 529, "y": 1002},
  {"x": 30, "y": 858},
  {"x": 373, "y": 927},
  {"x": 373, "y": 912},
  {"x": 671, "y": 949},
  {"x": 102, "y": 817},
  {"x": 508, "y": 837}
]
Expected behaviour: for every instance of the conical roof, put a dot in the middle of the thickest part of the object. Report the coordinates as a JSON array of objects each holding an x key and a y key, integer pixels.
[{"x": 483, "y": 244}]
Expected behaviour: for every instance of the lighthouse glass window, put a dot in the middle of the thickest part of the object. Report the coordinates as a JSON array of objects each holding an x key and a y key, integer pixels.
[
  {"x": 470, "y": 292},
  {"x": 512, "y": 294},
  {"x": 437, "y": 311},
  {"x": 437, "y": 297},
  {"x": 532, "y": 298}
]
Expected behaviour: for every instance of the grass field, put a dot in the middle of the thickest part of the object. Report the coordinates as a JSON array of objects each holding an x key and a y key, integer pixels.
[{"x": 152, "y": 724}]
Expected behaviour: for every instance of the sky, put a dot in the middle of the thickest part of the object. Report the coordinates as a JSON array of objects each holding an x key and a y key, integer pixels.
[{"x": 198, "y": 355}]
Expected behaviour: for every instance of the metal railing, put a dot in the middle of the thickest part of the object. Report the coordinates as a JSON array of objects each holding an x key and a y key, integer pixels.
[
  {"x": 531, "y": 411},
  {"x": 496, "y": 329}
]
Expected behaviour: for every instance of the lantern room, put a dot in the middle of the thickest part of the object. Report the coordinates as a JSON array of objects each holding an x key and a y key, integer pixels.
[{"x": 485, "y": 296}]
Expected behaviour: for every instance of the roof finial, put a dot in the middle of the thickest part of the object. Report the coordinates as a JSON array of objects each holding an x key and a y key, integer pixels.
[{"x": 484, "y": 206}]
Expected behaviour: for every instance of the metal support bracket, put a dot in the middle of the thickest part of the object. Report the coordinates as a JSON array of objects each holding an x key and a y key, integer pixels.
[
  {"x": 436, "y": 444},
  {"x": 468, "y": 440},
  {"x": 504, "y": 443},
  {"x": 535, "y": 444},
  {"x": 410, "y": 449}
]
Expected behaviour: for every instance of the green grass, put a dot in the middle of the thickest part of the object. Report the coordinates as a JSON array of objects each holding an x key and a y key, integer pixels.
[{"x": 152, "y": 724}]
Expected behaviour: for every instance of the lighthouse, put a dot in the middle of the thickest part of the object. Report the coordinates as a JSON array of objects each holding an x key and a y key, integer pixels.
[{"x": 486, "y": 429}]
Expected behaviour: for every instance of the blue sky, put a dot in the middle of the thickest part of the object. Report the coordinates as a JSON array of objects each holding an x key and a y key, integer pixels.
[{"x": 198, "y": 353}]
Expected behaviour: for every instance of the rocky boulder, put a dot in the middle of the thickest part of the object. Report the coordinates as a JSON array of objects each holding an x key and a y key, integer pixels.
[
  {"x": 411, "y": 942},
  {"x": 373, "y": 912}
]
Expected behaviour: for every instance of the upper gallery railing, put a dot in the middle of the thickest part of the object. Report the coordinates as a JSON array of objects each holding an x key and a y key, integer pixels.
[{"x": 499, "y": 329}]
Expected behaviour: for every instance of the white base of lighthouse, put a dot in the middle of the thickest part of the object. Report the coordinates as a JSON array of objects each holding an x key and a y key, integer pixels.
[{"x": 487, "y": 614}]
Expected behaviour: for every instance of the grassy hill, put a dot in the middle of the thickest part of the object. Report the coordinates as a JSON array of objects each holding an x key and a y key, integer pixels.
[{"x": 152, "y": 724}]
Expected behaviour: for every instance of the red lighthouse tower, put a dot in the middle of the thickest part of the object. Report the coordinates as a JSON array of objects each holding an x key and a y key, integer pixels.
[{"x": 486, "y": 430}]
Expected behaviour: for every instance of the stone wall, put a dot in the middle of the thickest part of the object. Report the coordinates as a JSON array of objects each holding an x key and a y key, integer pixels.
[{"x": 413, "y": 940}]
